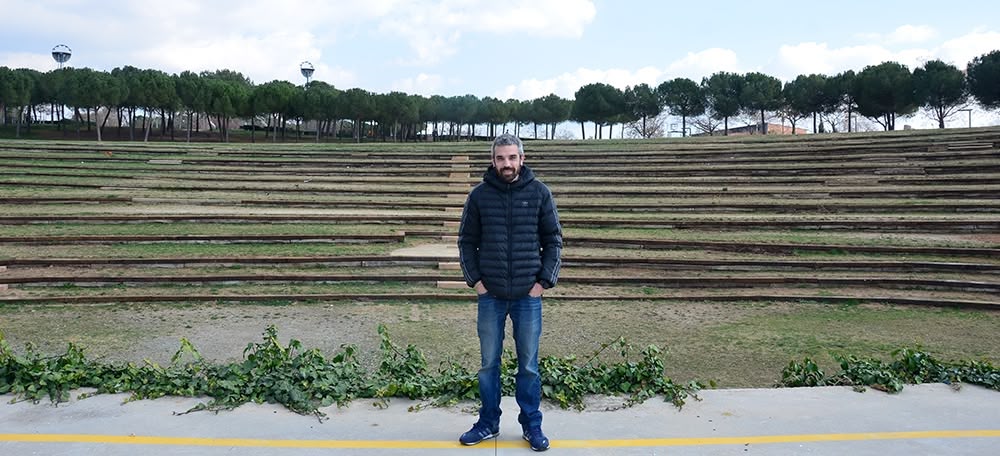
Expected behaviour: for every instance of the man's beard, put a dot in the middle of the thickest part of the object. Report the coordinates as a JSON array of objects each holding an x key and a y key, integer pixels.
[{"x": 511, "y": 177}]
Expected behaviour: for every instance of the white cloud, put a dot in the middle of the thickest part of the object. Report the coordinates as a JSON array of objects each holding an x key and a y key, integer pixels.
[
  {"x": 811, "y": 57},
  {"x": 263, "y": 58},
  {"x": 960, "y": 51},
  {"x": 904, "y": 34},
  {"x": 912, "y": 34},
  {"x": 693, "y": 66},
  {"x": 40, "y": 62},
  {"x": 337, "y": 76},
  {"x": 423, "y": 84},
  {"x": 430, "y": 29},
  {"x": 434, "y": 29},
  {"x": 566, "y": 84},
  {"x": 697, "y": 65},
  {"x": 561, "y": 18}
]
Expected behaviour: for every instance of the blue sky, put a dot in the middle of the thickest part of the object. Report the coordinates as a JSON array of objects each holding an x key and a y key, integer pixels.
[{"x": 507, "y": 49}]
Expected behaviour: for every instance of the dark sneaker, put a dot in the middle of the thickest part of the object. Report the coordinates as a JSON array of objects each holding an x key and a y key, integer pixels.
[
  {"x": 478, "y": 433},
  {"x": 536, "y": 438}
]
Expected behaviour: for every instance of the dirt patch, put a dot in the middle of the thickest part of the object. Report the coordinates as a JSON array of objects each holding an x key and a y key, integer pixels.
[
  {"x": 989, "y": 238},
  {"x": 448, "y": 250}
]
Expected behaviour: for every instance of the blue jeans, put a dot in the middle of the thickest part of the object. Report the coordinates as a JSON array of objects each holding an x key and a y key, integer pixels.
[{"x": 526, "y": 316}]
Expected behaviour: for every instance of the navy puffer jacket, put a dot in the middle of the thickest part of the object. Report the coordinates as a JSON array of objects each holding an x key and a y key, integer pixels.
[{"x": 510, "y": 236}]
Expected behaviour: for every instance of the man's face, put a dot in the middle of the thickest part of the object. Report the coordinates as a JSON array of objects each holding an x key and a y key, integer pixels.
[{"x": 507, "y": 162}]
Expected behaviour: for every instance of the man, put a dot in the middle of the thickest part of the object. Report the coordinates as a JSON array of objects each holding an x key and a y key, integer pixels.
[{"x": 509, "y": 242}]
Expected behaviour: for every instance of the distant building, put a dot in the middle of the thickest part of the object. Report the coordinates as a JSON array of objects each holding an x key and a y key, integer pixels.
[{"x": 770, "y": 129}]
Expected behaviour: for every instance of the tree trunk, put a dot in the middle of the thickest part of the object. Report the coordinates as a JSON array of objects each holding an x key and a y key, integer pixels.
[
  {"x": 147, "y": 124},
  {"x": 131, "y": 124},
  {"x": 725, "y": 123},
  {"x": 763, "y": 126},
  {"x": 28, "y": 116},
  {"x": 77, "y": 119},
  {"x": 101, "y": 124},
  {"x": 190, "y": 121},
  {"x": 274, "y": 135},
  {"x": 106, "y": 117},
  {"x": 17, "y": 124}
]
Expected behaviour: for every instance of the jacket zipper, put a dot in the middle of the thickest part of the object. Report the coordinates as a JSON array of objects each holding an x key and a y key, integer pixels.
[{"x": 510, "y": 241}]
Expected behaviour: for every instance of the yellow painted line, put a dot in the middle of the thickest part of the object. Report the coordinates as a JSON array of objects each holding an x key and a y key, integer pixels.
[
  {"x": 793, "y": 438},
  {"x": 437, "y": 444}
]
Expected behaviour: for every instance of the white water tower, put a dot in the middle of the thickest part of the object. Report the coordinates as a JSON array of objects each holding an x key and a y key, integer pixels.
[
  {"x": 61, "y": 53},
  {"x": 307, "y": 70}
]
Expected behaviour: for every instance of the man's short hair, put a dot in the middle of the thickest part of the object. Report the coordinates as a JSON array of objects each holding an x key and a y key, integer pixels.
[{"x": 507, "y": 139}]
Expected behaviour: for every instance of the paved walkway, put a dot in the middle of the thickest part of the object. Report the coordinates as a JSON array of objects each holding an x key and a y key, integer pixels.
[{"x": 922, "y": 420}]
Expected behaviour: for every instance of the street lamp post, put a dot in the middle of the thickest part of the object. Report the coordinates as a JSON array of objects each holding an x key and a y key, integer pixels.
[{"x": 969, "y": 110}]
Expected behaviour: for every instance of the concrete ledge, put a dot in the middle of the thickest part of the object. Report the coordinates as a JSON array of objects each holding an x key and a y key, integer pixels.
[
  {"x": 452, "y": 224},
  {"x": 449, "y": 238},
  {"x": 449, "y": 266},
  {"x": 165, "y": 162},
  {"x": 451, "y": 285}
]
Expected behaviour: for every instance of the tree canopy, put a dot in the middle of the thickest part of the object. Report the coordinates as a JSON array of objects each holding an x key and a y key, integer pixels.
[
  {"x": 227, "y": 99},
  {"x": 983, "y": 75},
  {"x": 940, "y": 88},
  {"x": 884, "y": 92}
]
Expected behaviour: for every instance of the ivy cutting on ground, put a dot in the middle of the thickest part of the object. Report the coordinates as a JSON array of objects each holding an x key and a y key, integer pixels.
[{"x": 305, "y": 380}]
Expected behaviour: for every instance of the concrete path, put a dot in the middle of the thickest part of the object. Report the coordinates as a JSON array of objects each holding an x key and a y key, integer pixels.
[{"x": 922, "y": 420}]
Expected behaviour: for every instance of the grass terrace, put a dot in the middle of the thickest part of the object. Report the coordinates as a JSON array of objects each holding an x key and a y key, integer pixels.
[{"x": 734, "y": 254}]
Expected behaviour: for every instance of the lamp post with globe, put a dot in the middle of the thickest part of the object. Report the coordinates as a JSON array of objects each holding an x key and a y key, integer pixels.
[
  {"x": 307, "y": 71},
  {"x": 61, "y": 54}
]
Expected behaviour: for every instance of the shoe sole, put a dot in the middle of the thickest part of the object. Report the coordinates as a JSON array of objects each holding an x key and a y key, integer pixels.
[
  {"x": 481, "y": 440},
  {"x": 533, "y": 448}
]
